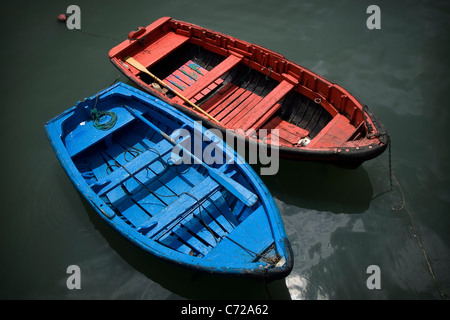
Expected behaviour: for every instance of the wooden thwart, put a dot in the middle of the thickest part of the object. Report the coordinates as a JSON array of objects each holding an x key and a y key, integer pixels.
[
  {"x": 142, "y": 68},
  {"x": 337, "y": 130},
  {"x": 212, "y": 75},
  {"x": 160, "y": 49},
  {"x": 264, "y": 109}
]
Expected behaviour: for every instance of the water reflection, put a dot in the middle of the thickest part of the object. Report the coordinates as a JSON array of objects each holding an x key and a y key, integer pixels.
[{"x": 322, "y": 187}]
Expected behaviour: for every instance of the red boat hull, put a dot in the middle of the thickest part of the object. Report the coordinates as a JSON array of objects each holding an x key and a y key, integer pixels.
[{"x": 247, "y": 88}]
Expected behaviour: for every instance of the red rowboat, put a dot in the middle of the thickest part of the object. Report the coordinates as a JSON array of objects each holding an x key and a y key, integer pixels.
[{"x": 232, "y": 84}]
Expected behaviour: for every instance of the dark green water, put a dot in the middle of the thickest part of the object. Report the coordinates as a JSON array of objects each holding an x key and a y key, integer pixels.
[{"x": 339, "y": 221}]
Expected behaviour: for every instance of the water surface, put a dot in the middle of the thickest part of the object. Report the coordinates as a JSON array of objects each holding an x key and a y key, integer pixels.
[{"x": 339, "y": 221}]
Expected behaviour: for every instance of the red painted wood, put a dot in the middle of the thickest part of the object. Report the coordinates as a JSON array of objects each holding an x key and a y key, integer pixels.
[
  {"x": 160, "y": 48},
  {"x": 123, "y": 48},
  {"x": 212, "y": 75},
  {"x": 233, "y": 118},
  {"x": 193, "y": 70},
  {"x": 214, "y": 102},
  {"x": 335, "y": 133},
  {"x": 235, "y": 101},
  {"x": 265, "y": 108},
  {"x": 288, "y": 133},
  {"x": 207, "y": 90},
  {"x": 183, "y": 77},
  {"x": 225, "y": 103},
  {"x": 176, "y": 83},
  {"x": 250, "y": 111}
]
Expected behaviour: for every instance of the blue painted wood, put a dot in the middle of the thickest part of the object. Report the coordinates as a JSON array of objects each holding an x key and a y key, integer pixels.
[
  {"x": 219, "y": 218},
  {"x": 117, "y": 196},
  {"x": 130, "y": 169},
  {"x": 255, "y": 227},
  {"x": 179, "y": 208},
  {"x": 245, "y": 195},
  {"x": 86, "y": 134}
]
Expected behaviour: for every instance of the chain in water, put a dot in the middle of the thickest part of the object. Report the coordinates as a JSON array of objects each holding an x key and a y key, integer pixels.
[{"x": 402, "y": 206}]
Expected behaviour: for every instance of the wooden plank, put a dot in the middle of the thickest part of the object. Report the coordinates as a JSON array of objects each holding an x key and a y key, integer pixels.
[
  {"x": 234, "y": 117},
  {"x": 164, "y": 189},
  {"x": 266, "y": 108},
  {"x": 100, "y": 170},
  {"x": 85, "y": 134},
  {"x": 125, "y": 45},
  {"x": 160, "y": 48},
  {"x": 176, "y": 83},
  {"x": 215, "y": 101},
  {"x": 334, "y": 134},
  {"x": 178, "y": 208},
  {"x": 172, "y": 241},
  {"x": 132, "y": 212},
  {"x": 125, "y": 206},
  {"x": 239, "y": 98},
  {"x": 186, "y": 75},
  {"x": 137, "y": 164},
  {"x": 211, "y": 215},
  {"x": 253, "y": 234},
  {"x": 193, "y": 70},
  {"x": 286, "y": 131},
  {"x": 157, "y": 200},
  {"x": 212, "y": 75},
  {"x": 211, "y": 220},
  {"x": 187, "y": 237},
  {"x": 207, "y": 90},
  {"x": 185, "y": 79},
  {"x": 220, "y": 203},
  {"x": 195, "y": 225},
  {"x": 227, "y": 101}
]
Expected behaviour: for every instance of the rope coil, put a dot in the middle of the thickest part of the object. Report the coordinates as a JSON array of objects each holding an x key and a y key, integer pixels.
[
  {"x": 98, "y": 117},
  {"x": 99, "y": 122}
]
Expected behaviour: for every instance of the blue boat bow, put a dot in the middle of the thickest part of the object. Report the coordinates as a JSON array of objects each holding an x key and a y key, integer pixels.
[{"x": 216, "y": 218}]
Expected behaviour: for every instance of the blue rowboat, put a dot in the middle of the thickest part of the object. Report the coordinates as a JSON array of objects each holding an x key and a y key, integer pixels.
[{"x": 124, "y": 152}]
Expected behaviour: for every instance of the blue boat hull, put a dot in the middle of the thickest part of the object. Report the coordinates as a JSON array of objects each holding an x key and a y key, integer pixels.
[{"x": 135, "y": 160}]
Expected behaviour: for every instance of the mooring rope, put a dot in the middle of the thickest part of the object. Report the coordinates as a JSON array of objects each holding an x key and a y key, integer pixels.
[
  {"x": 97, "y": 35},
  {"x": 99, "y": 116},
  {"x": 402, "y": 206}
]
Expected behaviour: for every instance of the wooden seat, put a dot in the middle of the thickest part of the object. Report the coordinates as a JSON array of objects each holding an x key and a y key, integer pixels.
[
  {"x": 288, "y": 133},
  {"x": 180, "y": 207},
  {"x": 336, "y": 132},
  {"x": 255, "y": 226},
  {"x": 85, "y": 135},
  {"x": 185, "y": 76},
  {"x": 131, "y": 168},
  {"x": 223, "y": 67},
  {"x": 160, "y": 48},
  {"x": 264, "y": 109}
]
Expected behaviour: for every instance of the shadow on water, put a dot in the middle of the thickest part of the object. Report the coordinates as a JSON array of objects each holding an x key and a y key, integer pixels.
[
  {"x": 181, "y": 281},
  {"x": 319, "y": 186}
]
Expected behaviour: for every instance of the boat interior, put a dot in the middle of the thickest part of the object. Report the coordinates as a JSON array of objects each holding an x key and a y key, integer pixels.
[
  {"x": 248, "y": 94},
  {"x": 176, "y": 204}
]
